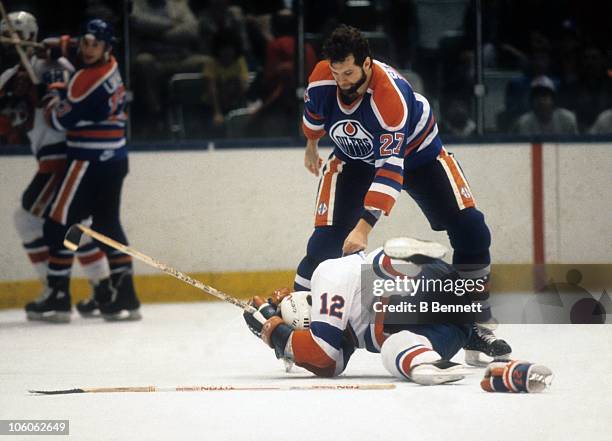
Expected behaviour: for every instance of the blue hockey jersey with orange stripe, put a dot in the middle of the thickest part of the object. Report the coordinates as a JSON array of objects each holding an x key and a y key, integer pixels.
[
  {"x": 390, "y": 127},
  {"x": 91, "y": 110}
]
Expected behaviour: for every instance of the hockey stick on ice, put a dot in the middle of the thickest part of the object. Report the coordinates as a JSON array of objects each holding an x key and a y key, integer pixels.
[
  {"x": 15, "y": 37},
  {"x": 73, "y": 238},
  {"x": 216, "y": 388}
]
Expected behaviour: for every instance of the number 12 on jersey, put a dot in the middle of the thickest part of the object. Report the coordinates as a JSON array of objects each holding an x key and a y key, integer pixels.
[{"x": 335, "y": 308}]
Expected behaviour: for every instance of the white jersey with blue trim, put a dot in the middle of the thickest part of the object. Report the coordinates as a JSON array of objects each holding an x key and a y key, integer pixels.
[
  {"x": 338, "y": 306},
  {"x": 390, "y": 127},
  {"x": 48, "y": 71}
]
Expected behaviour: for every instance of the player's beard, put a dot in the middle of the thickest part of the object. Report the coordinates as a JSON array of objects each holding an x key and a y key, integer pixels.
[{"x": 349, "y": 95}]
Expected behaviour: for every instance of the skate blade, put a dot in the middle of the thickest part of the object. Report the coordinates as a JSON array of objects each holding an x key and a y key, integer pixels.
[
  {"x": 49, "y": 316},
  {"x": 429, "y": 375},
  {"x": 123, "y": 316},
  {"x": 92, "y": 314},
  {"x": 404, "y": 247},
  {"x": 480, "y": 359}
]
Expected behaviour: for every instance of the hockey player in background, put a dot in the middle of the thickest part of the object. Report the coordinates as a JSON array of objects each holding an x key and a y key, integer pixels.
[
  {"x": 385, "y": 139},
  {"x": 319, "y": 330},
  {"x": 20, "y": 102},
  {"x": 90, "y": 109}
]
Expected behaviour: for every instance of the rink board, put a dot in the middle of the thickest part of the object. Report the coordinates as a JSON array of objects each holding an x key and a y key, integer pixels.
[{"x": 242, "y": 217}]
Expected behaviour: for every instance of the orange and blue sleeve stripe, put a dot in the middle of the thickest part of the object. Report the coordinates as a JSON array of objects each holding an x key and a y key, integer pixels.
[
  {"x": 386, "y": 186},
  {"x": 308, "y": 354},
  {"x": 313, "y": 124}
]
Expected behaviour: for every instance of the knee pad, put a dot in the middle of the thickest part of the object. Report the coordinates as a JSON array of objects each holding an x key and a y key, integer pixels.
[
  {"x": 401, "y": 351},
  {"x": 29, "y": 227},
  {"x": 470, "y": 237}
]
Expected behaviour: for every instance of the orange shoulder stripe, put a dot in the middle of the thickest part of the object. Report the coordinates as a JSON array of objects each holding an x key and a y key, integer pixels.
[
  {"x": 321, "y": 72},
  {"x": 85, "y": 79},
  {"x": 387, "y": 98}
]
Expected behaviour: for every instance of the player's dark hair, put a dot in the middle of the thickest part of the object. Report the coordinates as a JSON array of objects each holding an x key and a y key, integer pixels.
[{"x": 344, "y": 41}]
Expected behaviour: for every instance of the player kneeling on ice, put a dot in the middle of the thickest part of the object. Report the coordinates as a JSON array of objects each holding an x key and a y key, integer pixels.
[{"x": 319, "y": 330}]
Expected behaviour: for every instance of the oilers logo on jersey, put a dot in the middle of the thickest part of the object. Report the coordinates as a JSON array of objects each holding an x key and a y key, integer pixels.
[{"x": 353, "y": 139}]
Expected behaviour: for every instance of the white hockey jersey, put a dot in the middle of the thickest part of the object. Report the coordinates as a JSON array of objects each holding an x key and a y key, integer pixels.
[{"x": 342, "y": 319}]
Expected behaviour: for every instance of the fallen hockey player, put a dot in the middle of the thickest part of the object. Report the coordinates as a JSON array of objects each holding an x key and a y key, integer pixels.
[{"x": 319, "y": 330}]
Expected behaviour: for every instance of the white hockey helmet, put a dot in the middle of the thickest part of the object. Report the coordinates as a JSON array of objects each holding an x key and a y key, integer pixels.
[
  {"x": 24, "y": 24},
  {"x": 295, "y": 309}
]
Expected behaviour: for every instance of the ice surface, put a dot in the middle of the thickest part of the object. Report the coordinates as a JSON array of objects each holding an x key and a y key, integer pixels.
[{"x": 208, "y": 343}]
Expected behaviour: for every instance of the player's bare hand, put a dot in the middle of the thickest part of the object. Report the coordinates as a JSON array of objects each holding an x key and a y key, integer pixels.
[
  {"x": 357, "y": 240},
  {"x": 312, "y": 161},
  {"x": 354, "y": 242}
]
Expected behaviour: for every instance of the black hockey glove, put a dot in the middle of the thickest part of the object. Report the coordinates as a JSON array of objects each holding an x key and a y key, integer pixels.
[{"x": 266, "y": 309}]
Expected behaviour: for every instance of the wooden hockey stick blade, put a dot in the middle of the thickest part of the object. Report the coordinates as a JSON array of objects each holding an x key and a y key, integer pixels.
[
  {"x": 73, "y": 237},
  {"x": 57, "y": 392},
  {"x": 217, "y": 388}
]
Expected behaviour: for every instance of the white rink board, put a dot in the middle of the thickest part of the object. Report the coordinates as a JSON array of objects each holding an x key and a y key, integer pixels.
[
  {"x": 208, "y": 343},
  {"x": 252, "y": 209}
]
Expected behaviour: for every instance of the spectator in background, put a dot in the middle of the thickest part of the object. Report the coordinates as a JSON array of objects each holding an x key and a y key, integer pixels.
[
  {"x": 226, "y": 76},
  {"x": 165, "y": 33},
  {"x": 545, "y": 118},
  {"x": 518, "y": 90},
  {"x": 219, "y": 16},
  {"x": 258, "y": 18},
  {"x": 603, "y": 124},
  {"x": 591, "y": 94},
  {"x": 456, "y": 115},
  {"x": 278, "y": 114}
]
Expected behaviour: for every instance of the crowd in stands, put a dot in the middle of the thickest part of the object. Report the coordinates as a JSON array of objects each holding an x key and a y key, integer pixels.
[{"x": 555, "y": 54}]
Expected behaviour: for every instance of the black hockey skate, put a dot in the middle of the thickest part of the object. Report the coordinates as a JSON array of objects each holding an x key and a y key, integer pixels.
[
  {"x": 53, "y": 305},
  {"x": 484, "y": 341},
  {"x": 438, "y": 372},
  {"x": 124, "y": 304},
  {"x": 102, "y": 293}
]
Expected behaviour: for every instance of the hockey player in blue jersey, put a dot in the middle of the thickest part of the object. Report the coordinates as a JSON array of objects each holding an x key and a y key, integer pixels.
[
  {"x": 385, "y": 141},
  {"x": 90, "y": 109}
]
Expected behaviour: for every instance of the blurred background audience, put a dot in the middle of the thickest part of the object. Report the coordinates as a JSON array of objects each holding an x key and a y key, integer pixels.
[{"x": 228, "y": 68}]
